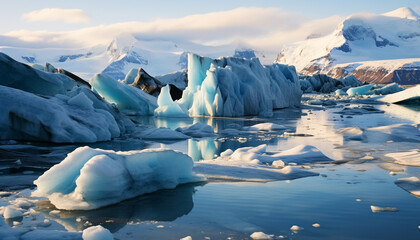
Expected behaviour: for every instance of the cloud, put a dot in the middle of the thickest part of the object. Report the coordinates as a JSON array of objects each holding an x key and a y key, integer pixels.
[
  {"x": 56, "y": 14},
  {"x": 264, "y": 28}
]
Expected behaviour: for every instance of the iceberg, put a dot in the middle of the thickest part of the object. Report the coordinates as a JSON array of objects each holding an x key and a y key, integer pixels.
[
  {"x": 80, "y": 116},
  {"x": 97, "y": 233},
  {"x": 168, "y": 107},
  {"x": 197, "y": 130},
  {"x": 359, "y": 90},
  {"x": 128, "y": 99},
  {"x": 21, "y": 76},
  {"x": 236, "y": 87},
  {"x": 92, "y": 178}
]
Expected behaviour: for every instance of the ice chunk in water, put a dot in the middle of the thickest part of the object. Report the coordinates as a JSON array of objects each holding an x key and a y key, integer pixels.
[{"x": 97, "y": 233}]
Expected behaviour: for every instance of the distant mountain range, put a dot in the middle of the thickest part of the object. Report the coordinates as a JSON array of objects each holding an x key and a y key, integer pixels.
[
  {"x": 123, "y": 54},
  {"x": 375, "y": 48}
]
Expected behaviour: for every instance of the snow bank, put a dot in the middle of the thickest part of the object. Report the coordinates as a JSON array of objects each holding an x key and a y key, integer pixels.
[
  {"x": 97, "y": 233},
  {"x": 409, "y": 158},
  {"x": 21, "y": 76},
  {"x": 92, "y": 178},
  {"x": 128, "y": 99},
  {"x": 197, "y": 130},
  {"x": 79, "y": 116},
  {"x": 407, "y": 95},
  {"x": 237, "y": 87}
]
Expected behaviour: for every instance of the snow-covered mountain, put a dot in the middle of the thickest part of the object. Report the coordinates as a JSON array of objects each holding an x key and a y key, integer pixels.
[
  {"x": 376, "y": 48},
  {"x": 158, "y": 57}
]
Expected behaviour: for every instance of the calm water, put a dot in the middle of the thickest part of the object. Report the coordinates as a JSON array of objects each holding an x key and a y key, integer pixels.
[{"x": 221, "y": 210}]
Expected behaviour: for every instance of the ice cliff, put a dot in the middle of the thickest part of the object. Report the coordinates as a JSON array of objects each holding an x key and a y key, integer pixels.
[{"x": 233, "y": 87}]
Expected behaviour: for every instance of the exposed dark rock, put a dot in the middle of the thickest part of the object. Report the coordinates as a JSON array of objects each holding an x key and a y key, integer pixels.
[
  {"x": 76, "y": 78},
  {"x": 152, "y": 86}
]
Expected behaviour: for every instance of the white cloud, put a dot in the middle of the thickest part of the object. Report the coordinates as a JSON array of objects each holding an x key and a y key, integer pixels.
[
  {"x": 265, "y": 28},
  {"x": 54, "y": 14}
]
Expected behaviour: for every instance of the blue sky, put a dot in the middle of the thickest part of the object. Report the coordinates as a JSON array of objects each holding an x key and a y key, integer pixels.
[{"x": 111, "y": 11}]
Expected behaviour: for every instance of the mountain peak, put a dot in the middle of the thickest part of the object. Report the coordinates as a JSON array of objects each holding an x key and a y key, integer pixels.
[{"x": 404, "y": 12}]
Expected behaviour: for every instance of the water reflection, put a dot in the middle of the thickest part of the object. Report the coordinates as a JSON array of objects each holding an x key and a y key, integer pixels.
[{"x": 164, "y": 205}]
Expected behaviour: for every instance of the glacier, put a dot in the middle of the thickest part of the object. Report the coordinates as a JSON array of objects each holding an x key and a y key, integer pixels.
[
  {"x": 130, "y": 100},
  {"x": 92, "y": 178},
  {"x": 232, "y": 87}
]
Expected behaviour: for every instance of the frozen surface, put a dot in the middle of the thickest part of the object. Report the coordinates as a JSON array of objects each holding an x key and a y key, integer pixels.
[
  {"x": 237, "y": 87},
  {"x": 97, "y": 233},
  {"x": 409, "y": 158},
  {"x": 91, "y": 178},
  {"x": 398, "y": 132},
  {"x": 79, "y": 116},
  {"x": 197, "y": 130},
  {"x": 128, "y": 99}
]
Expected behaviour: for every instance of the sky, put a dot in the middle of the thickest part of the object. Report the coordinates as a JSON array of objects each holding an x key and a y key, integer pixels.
[{"x": 84, "y": 23}]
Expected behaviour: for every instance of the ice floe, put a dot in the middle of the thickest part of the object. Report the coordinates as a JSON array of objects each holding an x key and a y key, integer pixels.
[
  {"x": 197, "y": 130},
  {"x": 296, "y": 228},
  {"x": 97, "y": 233},
  {"x": 410, "y": 184},
  {"x": 264, "y": 127},
  {"x": 383, "y": 209},
  {"x": 91, "y": 178},
  {"x": 151, "y": 133},
  {"x": 409, "y": 158},
  {"x": 261, "y": 236},
  {"x": 359, "y": 90}
]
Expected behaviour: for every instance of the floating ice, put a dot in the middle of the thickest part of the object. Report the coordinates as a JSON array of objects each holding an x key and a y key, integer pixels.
[
  {"x": 79, "y": 116},
  {"x": 21, "y": 76},
  {"x": 396, "y": 132},
  {"x": 352, "y": 133},
  {"x": 383, "y": 209},
  {"x": 12, "y": 212},
  {"x": 168, "y": 107},
  {"x": 359, "y": 90},
  {"x": 387, "y": 89},
  {"x": 197, "y": 130},
  {"x": 237, "y": 87},
  {"x": 325, "y": 84},
  {"x": 296, "y": 228},
  {"x": 97, "y": 233},
  {"x": 245, "y": 164},
  {"x": 407, "y": 95},
  {"x": 360, "y": 110},
  {"x": 186, "y": 238},
  {"x": 91, "y": 178},
  {"x": 316, "y": 225},
  {"x": 340, "y": 92},
  {"x": 409, "y": 158},
  {"x": 128, "y": 99},
  {"x": 410, "y": 184},
  {"x": 265, "y": 127},
  {"x": 261, "y": 236},
  {"x": 302, "y": 154}
]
